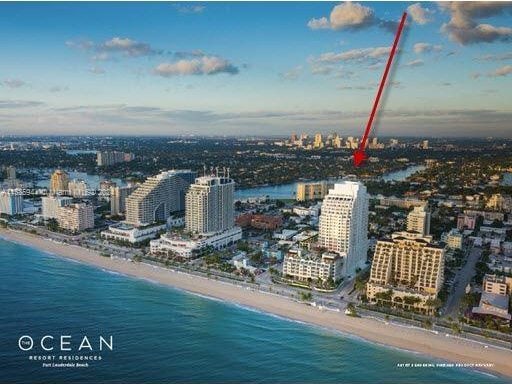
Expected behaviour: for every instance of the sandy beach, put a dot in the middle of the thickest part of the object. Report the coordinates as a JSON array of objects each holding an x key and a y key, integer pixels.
[{"x": 450, "y": 349}]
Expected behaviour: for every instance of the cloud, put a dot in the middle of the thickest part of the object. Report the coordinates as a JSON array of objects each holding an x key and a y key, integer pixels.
[
  {"x": 114, "y": 48},
  {"x": 358, "y": 55},
  {"x": 292, "y": 74},
  {"x": 97, "y": 70},
  {"x": 351, "y": 16},
  {"x": 205, "y": 65},
  {"x": 414, "y": 63},
  {"x": 58, "y": 88},
  {"x": 321, "y": 23},
  {"x": 189, "y": 8},
  {"x": 14, "y": 104},
  {"x": 498, "y": 57},
  {"x": 503, "y": 71},
  {"x": 13, "y": 83},
  {"x": 463, "y": 26},
  {"x": 426, "y": 48},
  {"x": 499, "y": 72},
  {"x": 419, "y": 14}
]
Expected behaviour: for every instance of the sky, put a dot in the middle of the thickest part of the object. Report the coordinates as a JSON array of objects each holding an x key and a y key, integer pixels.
[{"x": 254, "y": 68}]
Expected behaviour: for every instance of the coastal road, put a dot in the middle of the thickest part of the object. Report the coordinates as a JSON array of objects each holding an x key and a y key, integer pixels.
[{"x": 462, "y": 279}]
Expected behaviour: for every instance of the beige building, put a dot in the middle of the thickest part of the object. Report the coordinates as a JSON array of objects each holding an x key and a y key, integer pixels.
[
  {"x": 312, "y": 191},
  {"x": 76, "y": 217},
  {"x": 158, "y": 197},
  {"x": 59, "y": 182},
  {"x": 210, "y": 205},
  {"x": 499, "y": 202},
  {"x": 302, "y": 265},
  {"x": 77, "y": 188},
  {"x": 318, "y": 143},
  {"x": 409, "y": 267},
  {"x": 495, "y": 298},
  {"x": 501, "y": 285},
  {"x": 418, "y": 220}
]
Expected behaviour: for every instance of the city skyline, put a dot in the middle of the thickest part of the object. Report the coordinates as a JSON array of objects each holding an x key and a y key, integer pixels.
[{"x": 253, "y": 68}]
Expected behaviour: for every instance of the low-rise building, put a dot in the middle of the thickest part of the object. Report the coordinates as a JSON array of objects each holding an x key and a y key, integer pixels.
[
  {"x": 306, "y": 239},
  {"x": 302, "y": 265},
  {"x": 285, "y": 234},
  {"x": 495, "y": 297},
  {"x": 132, "y": 234},
  {"x": 454, "y": 239},
  {"x": 189, "y": 246},
  {"x": 259, "y": 221}
]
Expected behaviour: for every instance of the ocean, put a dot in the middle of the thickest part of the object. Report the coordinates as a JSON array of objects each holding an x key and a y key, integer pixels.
[{"x": 166, "y": 335}]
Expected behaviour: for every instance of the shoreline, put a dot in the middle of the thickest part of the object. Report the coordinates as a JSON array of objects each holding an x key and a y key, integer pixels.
[{"x": 411, "y": 339}]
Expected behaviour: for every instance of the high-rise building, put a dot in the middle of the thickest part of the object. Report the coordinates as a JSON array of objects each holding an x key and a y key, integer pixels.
[
  {"x": 59, "y": 182},
  {"x": 344, "y": 224},
  {"x": 76, "y": 217},
  {"x": 337, "y": 141},
  {"x": 10, "y": 172},
  {"x": 312, "y": 191},
  {"x": 424, "y": 144},
  {"x": 210, "y": 205},
  {"x": 418, "y": 220},
  {"x": 158, "y": 197},
  {"x": 410, "y": 268},
  {"x": 104, "y": 189},
  {"x": 293, "y": 138},
  {"x": 107, "y": 158},
  {"x": 118, "y": 197},
  {"x": 51, "y": 205},
  {"x": 318, "y": 143},
  {"x": 77, "y": 188},
  {"x": 11, "y": 202}
]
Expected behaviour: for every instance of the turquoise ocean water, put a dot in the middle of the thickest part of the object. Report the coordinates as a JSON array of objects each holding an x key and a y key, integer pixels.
[{"x": 166, "y": 335}]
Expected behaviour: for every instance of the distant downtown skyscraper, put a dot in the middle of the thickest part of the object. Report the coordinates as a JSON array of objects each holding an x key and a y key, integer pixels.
[
  {"x": 158, "y": 197},
  {"x": 210, "y": 205},
  {"x": 344, "y": 224}
]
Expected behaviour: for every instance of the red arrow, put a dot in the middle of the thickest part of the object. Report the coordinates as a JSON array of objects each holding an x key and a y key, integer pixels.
[{"x": 360, "y": 154}]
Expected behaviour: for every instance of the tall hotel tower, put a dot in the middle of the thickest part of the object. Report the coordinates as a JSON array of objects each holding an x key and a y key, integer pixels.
[
  {"x": 210, "y": 205},
  {"x": 344, "y": 224},
  {"x": 158, "y": 197}
]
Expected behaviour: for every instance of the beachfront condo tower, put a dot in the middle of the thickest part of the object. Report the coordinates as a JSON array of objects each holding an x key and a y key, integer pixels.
[
  {"x": 210, "y": 205},
  {"x": 344, "y": 224},
  {"x": 418, "y": 220},
  {"x": 407, "y": 270},
  {"x": 118, "y": 196},
  {"x": 76, "y": 217},
  {"x": 158, "y": 197},
  {"x": 11, "y": 203},
  {"x": 59, "y": 182}
]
